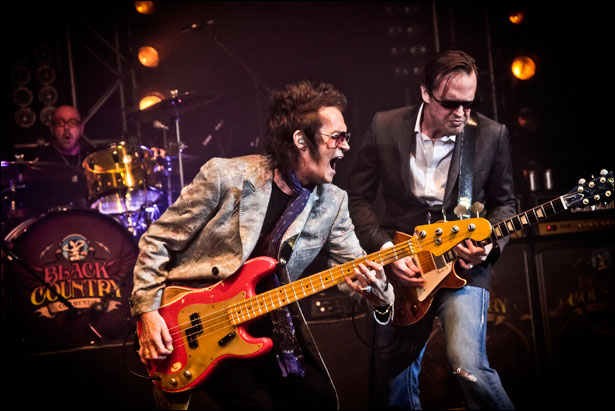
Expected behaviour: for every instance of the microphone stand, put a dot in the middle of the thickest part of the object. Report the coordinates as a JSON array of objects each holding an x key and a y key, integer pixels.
[{"x": 180, "y": 146}]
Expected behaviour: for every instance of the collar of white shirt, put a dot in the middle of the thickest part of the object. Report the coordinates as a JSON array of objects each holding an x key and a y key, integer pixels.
[{"x": 417, "y": 128}]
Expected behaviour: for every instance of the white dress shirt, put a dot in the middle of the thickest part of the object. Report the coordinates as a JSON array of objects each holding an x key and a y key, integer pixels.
[{"x": 429, "y": 164}]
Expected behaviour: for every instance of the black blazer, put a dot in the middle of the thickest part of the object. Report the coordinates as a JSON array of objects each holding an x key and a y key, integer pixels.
[{"x": 383, "y": 162}]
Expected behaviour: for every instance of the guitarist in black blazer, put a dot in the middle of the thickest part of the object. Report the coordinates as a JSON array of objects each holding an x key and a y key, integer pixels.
[{"x": 412, "y": 154}]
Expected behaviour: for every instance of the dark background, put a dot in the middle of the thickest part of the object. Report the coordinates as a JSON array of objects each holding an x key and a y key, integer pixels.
[
  {"x": 369, "y": 50},
  {"x": 241, "y": 51}
]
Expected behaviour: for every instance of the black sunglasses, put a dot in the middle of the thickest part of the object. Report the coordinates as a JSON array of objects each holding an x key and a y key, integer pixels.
[{"x": 453, "y": 104}]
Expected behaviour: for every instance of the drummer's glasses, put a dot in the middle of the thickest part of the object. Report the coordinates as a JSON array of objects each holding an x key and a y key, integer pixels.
[
  {"x": 71, "y": 122},
  {"x": 339, "y": 138}
]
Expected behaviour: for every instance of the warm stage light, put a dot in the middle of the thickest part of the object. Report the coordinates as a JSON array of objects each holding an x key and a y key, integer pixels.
[
  {"x": 516, "y": 17},
  {"x": 148, "y": 56},
  {"x": 144, "y": 7},
  {"x": 523, "y": 68},
  {"x": 150, "y": 99}
]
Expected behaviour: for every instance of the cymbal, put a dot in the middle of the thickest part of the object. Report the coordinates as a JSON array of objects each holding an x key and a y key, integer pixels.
[
  {"x": 30, "y": 171},
  {"x": 175, "y": 106}
]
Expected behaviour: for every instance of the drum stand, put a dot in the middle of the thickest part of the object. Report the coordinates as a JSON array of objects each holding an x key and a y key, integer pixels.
[{"x": 180, "y": 146}]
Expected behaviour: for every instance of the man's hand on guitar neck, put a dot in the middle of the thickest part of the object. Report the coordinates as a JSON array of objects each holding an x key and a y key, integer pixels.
[
  {"x": 404, "y": 270},
  {"x": 408, "y": 273},
  {"x": 155, "y": 340},
  {"x": 470, "y": 254}
]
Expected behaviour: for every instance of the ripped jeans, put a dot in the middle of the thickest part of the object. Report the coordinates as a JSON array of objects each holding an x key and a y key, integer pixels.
[{"x": 463, "y": 314}]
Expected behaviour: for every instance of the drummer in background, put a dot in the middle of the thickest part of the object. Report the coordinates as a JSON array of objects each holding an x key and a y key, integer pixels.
[
  {"x": 66, "y": 131},
  {"x": 67, "y": 189}
]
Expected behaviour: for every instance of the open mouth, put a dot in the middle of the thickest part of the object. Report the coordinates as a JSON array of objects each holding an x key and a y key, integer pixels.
[{"x": 333, "y": 162}]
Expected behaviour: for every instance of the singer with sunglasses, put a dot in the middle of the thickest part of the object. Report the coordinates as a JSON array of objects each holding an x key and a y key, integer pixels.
[
  {"x": 431, "y": 161},
  {"x": 280, "y": 205}
]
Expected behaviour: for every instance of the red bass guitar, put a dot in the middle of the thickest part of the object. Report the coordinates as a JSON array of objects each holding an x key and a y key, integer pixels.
[{"x": 208, "y": 325}]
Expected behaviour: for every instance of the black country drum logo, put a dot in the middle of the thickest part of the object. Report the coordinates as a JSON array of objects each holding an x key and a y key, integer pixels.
[{"x": 78, "y": 270}]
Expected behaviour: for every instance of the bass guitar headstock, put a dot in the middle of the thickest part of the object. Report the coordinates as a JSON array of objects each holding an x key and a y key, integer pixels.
[{"x": 440, "y": 237}]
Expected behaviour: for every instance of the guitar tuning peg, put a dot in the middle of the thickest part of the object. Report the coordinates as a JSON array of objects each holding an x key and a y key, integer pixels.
[
  {"x": 582, "y": 181},
  {"x": 477, "y": 208},
  {"x": 603, "y": 172},
  {"x": 460, "y": 210}
]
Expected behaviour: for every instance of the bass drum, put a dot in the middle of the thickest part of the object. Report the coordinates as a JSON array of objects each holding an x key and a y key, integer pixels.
[{"x": 74, "y": 286}]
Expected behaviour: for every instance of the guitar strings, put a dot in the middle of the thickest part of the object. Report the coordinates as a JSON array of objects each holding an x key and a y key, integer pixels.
[
  {"x": 223, "y": 314},
  {"x": 221, "y": 317},
  {"x": 249, "y": 303},
  {"x": 390, "y": 253}
]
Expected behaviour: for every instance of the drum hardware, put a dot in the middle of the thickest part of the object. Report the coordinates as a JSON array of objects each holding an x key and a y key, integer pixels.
[
  {"x": 137, "y": 222},
  {"x": 23, "y": 172},
  {"x": 20, "y": 177},
  {"x": 174, "y": 107}
]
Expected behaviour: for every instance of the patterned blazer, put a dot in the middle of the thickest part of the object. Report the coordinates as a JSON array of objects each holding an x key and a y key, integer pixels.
[{"x": 213, "y": 227}]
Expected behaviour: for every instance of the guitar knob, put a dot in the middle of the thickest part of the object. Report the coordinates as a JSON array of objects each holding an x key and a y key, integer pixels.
[
  {"x": 187, "y": 374},
  {"x": 472, "y": 227},
  {"x": 438, "y": 231},
  {"x": 582, "y": 181},
  {"x": 585, "y": 201},
  {"x": 597, "y": 197},
  {"x": 591, "y": 184},
  {"x": 603, "y": 172},
  {"x": 455, "y": 229},
  {"x": 422, "y": 233},
  {"x": 608, "y": 193},
  {"x": 438, "y": 241},
  {"x": 173, "y": 381},
  {"x": 580, "y": 189}
]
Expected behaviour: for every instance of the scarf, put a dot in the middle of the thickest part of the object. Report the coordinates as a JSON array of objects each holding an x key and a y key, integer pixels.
[{"x": 286, "y": 347}]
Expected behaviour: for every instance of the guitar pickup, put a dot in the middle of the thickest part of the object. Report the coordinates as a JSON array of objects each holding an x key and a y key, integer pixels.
[
  {"x": 195, "y": 329},
  {"x": 226, "y": 338}
]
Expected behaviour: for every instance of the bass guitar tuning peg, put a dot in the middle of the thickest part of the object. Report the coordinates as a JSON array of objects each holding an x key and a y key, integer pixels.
[
  {"x": 460, "y": 211},
  {"x": 477, "y": 208}
]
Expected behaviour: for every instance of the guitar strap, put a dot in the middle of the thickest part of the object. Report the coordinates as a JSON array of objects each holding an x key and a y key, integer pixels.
[{"x": 466, "y": 159}]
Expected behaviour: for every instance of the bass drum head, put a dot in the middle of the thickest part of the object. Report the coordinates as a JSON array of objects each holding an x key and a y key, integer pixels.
[{"x": 77, "y": 289}]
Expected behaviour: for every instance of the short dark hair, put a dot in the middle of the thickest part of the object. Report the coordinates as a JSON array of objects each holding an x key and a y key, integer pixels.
[
  {"x": 296, "y": 107},
  {"x": 444, "y": 64}
]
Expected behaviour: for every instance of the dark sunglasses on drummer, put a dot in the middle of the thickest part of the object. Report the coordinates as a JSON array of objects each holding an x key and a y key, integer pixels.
[
  {"x": 60, "y": 122},
  {"x": 453, "y": 104}
]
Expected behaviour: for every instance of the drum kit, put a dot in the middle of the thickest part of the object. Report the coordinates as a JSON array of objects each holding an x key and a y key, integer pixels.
[
  {"x": 77, "y": 251},
  {"x": 125, "y": 180}
]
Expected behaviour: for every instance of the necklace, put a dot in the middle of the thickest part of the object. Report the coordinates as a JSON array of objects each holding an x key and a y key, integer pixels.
[
  {"x": 75, "y": 177},
  {"x": 66, "y": 160}
]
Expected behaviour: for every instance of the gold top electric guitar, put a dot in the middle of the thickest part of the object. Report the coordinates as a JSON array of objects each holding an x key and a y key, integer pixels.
[{"x": 438, "y": 271}]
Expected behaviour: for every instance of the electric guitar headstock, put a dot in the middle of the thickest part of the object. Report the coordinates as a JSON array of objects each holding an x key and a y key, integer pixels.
[{"x": 587, "y": 193}]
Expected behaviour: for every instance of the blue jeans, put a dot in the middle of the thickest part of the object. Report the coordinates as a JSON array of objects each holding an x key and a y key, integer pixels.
[{"x": 463, "y": 314}]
